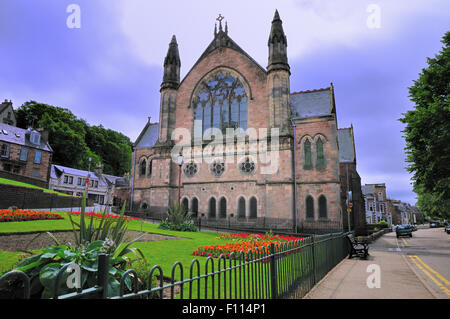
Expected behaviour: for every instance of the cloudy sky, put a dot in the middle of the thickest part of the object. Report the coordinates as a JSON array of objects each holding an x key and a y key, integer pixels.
[{"x": 106, "y": 67}]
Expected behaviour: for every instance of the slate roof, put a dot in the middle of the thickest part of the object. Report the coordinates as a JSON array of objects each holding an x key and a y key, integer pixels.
[
  {"x": 148, "y": 136},
  {"x": 57, "y": 170},
  {"x": 17, "y": 135},
  {"x": 346, "y": 145},
  {"x": 312, "y": 103}
]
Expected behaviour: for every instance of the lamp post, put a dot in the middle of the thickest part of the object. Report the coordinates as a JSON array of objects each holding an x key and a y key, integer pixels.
[{"x": 180, "y": 163}]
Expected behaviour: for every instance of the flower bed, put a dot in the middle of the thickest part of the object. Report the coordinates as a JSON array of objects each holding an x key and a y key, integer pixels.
[
  {"x": 19, "y": 215},
  {"x": 100, "y": 215},
  {"x": 243, "y": 242}
]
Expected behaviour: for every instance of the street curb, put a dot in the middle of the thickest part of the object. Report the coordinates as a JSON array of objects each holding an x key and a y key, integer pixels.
[{"x": 325, "y": 277}]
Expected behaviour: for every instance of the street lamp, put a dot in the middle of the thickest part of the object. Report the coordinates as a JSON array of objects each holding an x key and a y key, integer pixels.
[{"x": 180, "y": 163}]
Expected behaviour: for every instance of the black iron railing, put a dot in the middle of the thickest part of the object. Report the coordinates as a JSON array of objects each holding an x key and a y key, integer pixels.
[{"x": 288, "y": 270}]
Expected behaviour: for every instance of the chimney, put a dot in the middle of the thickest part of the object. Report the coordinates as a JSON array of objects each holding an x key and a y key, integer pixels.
[
  {"x": 44, "y": 134},
  {"x": 98, "y": 170}
]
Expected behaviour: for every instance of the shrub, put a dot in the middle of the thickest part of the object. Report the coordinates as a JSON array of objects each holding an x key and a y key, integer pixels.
[{"x": 178, "y": 219}]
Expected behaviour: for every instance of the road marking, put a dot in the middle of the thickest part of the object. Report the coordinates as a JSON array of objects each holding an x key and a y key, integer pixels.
[
  {"x": 437, "y": 282},
  {"x": 438, "y": 275},
  {"x": 404, "y": 242}
]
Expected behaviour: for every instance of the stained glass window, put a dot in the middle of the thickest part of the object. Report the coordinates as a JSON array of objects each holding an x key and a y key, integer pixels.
[
  {"x": 307, "y": 149},
  {"x": 320, "y": 157},
  {"x": 221, "y": 103}
]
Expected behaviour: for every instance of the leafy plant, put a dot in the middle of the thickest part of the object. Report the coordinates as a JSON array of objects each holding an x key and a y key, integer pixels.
[
  {"x": 178, "y": 219},
  {"x": 91, "y": 239}
]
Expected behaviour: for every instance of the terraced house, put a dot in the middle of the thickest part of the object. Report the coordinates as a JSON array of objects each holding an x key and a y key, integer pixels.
[
  {"x": 25, "y": 155},
  {"x": 279, "y": 166}
]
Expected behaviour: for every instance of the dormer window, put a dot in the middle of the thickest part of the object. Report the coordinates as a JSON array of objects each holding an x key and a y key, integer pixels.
[{"x": 35, "y": 138}]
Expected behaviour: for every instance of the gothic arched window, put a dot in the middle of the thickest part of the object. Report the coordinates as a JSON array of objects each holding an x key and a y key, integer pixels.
[
  {"x": 320, "y": 157},
  {"x": 221, "y": 103},
  {"x": 212, "y": 208},
  {"x": 241, "y": 207},
  {"x": 143, "y": 168},
  {"x": 323, "y": 207},
  {"x": 309, "y": 207},
  {"x": 253, "y": 207},
  {"x": 194, "y": 206},
  {"x": 185, "y": 204},
  {"x": 307, "y": 149},
  {"x": 223, "y": 208}
]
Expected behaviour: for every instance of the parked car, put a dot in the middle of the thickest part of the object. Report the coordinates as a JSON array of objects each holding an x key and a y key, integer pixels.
[
  {"x": 403, "y": 230},
  {"x": 414, "y": 227},
  {"x": 447, "y": 229}
]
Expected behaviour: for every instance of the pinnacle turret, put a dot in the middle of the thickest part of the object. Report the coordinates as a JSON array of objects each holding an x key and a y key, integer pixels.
[
  {"x": 277, "y": 45},
  {"x": 172, "y": 64}
]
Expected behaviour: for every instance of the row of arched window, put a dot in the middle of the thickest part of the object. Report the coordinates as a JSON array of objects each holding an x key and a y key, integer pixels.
[
  {"x": 145, "y": 170},
  {"x": 221, "y": 210},
  {"x": 322, "y": 207},
  {"x": 308, "y": 156}
]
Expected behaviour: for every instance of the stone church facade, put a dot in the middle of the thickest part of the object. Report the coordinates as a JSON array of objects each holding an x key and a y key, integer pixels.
[{"x": 248, "y": 177}]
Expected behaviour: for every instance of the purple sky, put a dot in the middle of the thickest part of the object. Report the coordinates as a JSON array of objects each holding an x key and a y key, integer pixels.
[{"x": 109, "y": 70}]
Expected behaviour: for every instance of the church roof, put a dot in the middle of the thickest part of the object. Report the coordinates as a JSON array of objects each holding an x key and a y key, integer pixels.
[
  {"x": 222, "y": 40},
  {"x": 346, "y": 143},
  {"x": 148, "y": 136},
  {"x": 312, "y": 103}
]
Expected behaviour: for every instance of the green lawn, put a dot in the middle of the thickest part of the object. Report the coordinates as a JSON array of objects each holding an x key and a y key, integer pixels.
[
  {"x": 164, "y": 253},
  {"x": 16, "y": 183}
]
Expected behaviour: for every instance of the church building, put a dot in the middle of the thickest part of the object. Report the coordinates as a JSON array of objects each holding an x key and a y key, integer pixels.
[{"x": 255, "y": 153}]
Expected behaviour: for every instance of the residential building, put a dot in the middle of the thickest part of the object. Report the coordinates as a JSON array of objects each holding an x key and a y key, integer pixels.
[
  {"x": 404, "y": 213},
  {"x": 7, "y": 113},
  {"x": 25, "y": 155},
  {"x": 376, "y": 203},
  {"x": 72, "y": 181}
]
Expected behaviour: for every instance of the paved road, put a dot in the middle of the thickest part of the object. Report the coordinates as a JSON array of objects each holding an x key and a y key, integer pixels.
[
  {"x": 409, "y": 268},
  {"x": 428, "y": 252}
]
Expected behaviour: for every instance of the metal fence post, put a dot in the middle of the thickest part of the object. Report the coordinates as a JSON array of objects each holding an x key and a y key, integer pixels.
[
  {"x": 313, "y": 258},
  {"x": 273, "y": 272},
  {"x": 102, "y": 275}
]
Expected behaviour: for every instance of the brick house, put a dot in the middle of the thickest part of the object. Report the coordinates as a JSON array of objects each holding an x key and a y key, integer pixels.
[
  {"x": 25, "y": 155},
  {"x": 262, "y": 174}
]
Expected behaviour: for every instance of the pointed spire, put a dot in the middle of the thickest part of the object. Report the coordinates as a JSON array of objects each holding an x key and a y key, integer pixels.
[
  {"x": 277, "y": 45},
  {"x": 172, "y": 65},
  {"x": 276, "y": 16}
]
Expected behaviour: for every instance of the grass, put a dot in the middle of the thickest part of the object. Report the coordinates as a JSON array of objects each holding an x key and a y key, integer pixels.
[
  {"x": 164, "y": 253},
  {"x": 21, "y": 184}
]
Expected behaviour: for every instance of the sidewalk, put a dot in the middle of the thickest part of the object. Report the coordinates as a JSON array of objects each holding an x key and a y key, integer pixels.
[{"x": 348, "y": 280}]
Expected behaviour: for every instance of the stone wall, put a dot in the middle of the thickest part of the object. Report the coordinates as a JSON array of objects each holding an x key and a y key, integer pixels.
[{"x": 29, "y": 198}]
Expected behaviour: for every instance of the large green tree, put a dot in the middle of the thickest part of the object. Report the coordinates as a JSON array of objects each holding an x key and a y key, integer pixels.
[
  {"x": 427, "y": 134},
  {"x": 74, "y": 141}
]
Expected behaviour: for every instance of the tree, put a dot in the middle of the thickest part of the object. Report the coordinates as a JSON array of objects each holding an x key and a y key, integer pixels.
[
  {"x": 74, "y": 141},
  {"x": 427, "y": 134}
]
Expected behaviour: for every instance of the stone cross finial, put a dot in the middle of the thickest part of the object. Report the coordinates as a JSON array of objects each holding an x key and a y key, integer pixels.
[{"x": 220, "y": 18}]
